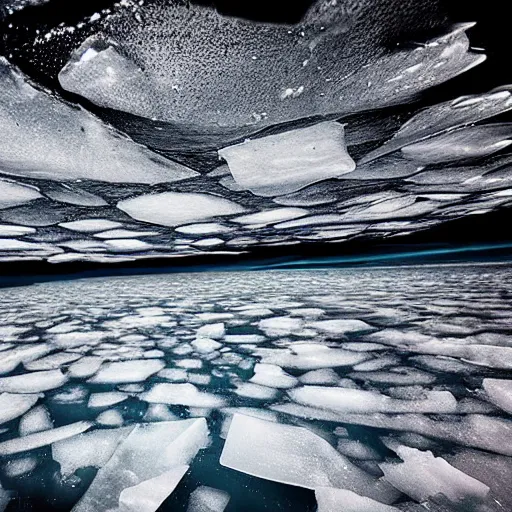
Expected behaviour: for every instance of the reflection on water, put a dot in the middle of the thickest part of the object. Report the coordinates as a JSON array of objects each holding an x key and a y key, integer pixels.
[{"x": 355, "y": 390}]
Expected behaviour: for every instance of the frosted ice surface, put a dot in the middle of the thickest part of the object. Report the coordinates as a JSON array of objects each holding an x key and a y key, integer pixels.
[
  {"x": 52, "y": 361},
  {"x": 213, "y": 331},
  {"x": 148, "y": 452},
  {"x": 33, "y": 382},
  {"x": 177, "y": 208},
  {"x": 273, "y": 376},
  {"x": 343, "y": 400},
  {"x": 44, "y": 438},
  {"x": 35, "y": 420},
  {"x": 422, "y": 476},
  {"x": 341, "y": 326},
  {"x": 271, "y": 216},
  {"x": 499, "y": 392},
  {"x": 336, "y": 500},
  {"x": 47, "y": 134},
  {"x": 243, "y": 338},
  {"x": 18, "y": 467},
  {"x": 205, "y": 345},
  {"x": 12, "y": 406},
  {"x": 281, "y": 326},
  {"x": 295, "y": 456},
  {"x": 106, "y": 399},
  {"x": 323, "y": 376},
  {"x": 85, "y": 367},
  {"x": 66, "y": 193},
  {"x": 127, "y": 371},
  {"x": 91, "y": 225},
  {"x": 284, "y": 163},
  {"x": 255, "y": 391},
  {"x": 207, "y": 499},
  {"x": 182, "y": 394},
  {"x": 22, "y": 354},
  {"x": 207, "y": 228},
  {"x": 88, "y": 449},
  {"x": 14, "y": 194}
]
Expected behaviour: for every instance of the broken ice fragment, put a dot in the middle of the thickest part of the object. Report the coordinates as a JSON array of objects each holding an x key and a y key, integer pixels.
[
  {"x": 148, "y": 452},
  {"x": 270, "y": 216},
  {"x": 181, "y": 394},
  {"x": 33, "y": 382},
  {"x": 295, "y": 456},
  {"x": 340, "y": 326},
  {"x": 122, "y": 372},
  {"x": 272, "y": 376},
  {"x": 90, "y": 225},
  {"x": 337, "y": 500},
  {"x": 280, "y": 164},
  {"x": 106, "y": 399},
  {"x": 207, "y": 499},
  {"x": 177, "y": 208},
  {"x": 499, "y": 392},
  {"x": 14, "y": 405},
  {"x": 14, "y": 194},
  {"x": 423, "y": 476},
  {"x": 36, "y": 420}
]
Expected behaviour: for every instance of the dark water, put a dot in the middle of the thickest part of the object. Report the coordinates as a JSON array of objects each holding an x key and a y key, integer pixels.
[{"x": 392, "y": 383}]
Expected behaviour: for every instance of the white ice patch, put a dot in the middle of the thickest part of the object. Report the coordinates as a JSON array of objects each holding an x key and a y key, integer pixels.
[
  {"x": 15, "y": 194},
  {"x": 36, "y": 420},
  {"x": 106, "y": 399},
  {"x": 286, "y": 162},
  {"x": 90, "y": 225},
  {"x": 208, "y": 499},
  {"x": 336, "y": 500},
  {"x": 273, "y": 377},
  {"x": 281, "y": 326},
  {"x": 34, "y": 382},
  {"x": 341, "y": 326},
  {"x": 499, "y": 392},
  {"x": 12, "y": 406},
  {"x": 181, "y": 394},
  {"x": 177, "y": 208},
  {"x": 213, "y": 331},
  {"x": 146, "y": 466},
  {"x": 127, "y": 371},
  {"x": 294, "y": 456},
  {"x": 271, "y": 216}
]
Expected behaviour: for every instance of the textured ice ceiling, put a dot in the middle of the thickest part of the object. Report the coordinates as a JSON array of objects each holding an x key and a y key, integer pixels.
[{"x": 166, "y": 129}]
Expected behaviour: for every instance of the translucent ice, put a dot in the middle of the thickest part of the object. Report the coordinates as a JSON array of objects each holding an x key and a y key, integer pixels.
[
  {"x": 284, "y": 163},
  {"x": 208, "y": 499}
]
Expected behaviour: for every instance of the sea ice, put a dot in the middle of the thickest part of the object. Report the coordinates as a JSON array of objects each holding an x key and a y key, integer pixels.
[
  {"x": 22, "y": 354},
  {"x": 294, "y": 456},
  {"x": 499, "y": 392},
  {"x": 14, "y": 405},
  {"x": 181, "y": 394},
  {"x": 340, "y": 326},
  {"x": 36, "y": 420},
  {"x": 281, "y": 326},
  {"x": 127, "y": 371},
  {"x": 323, "y": 376},
  {"x": 207, "y": 499},
  {"x": 110, "y": 418},
  {"x": 205, "y": 345},
  {"x": 14, "y": 194},
  {"x": 177, "y": 208},
  {"x": 336, "y": 500},
  {"x": 423, "y": 476},
  {"x": 33, "y": 382},
  {"x": 106, "y": 399},
  {"x": 270, "y": 216},
  {"x": 149, "y": 452},
  {"x": 52, "y": 361},
  {"x": 85, "y": 367},
  {"x": 90, "y": 225},
  {"x": 213, "y": 331},
  {"x": 255, "y": 391},
  {"x": 272, "y": 376}
]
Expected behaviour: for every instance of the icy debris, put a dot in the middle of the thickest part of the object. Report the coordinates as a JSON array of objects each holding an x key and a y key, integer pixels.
[
  {"x": 286, "y": 162},
  {"x": 309, "y": 356},
  {"x": 14, "y": 405},
  {"x": 323, "y": 376},
  {"x": 499, "y": 392},
  {"x": 213, "y": 331},
  {"x": 48, "y": 134},
  {"x": 90, "y": 449},
  {"x": 270, "y": 216},
  {"x": 52, "y": 361},
  {"x": 443, "y": 117},
  {"x": 463, "y": 144},
  {"x": 294, "y": 456},
  {"x": 90, "y": 225},
  {"x": 208, "y": 499},
  {"x": 45, "y": 438},
  {"x": 110, "y": 418},
  {"x": 281, "y": 326},
  {"x": 272, "y": 376},
  {"x": 343, "y": 400},
  {"x": 336, "y": 500},
  {"x": 85, "y": 367},
  {"x": 181, "y": 394},
  {"x": 127, "y": 371},
  {"x": 34, "y": 382},
  {"x": 14, "y": 194},
  {"x": 106, "y": 399},
  {"x": 255, "y": 391},
  {"x": 340, "y": 326},
  {"x": 177, "y": 208},
  {"x": 146, "y": 467},
  {"x": 423, "y": 476},
  {"x": 206, "y": 345},
  {"x": 36, "y": 420}
]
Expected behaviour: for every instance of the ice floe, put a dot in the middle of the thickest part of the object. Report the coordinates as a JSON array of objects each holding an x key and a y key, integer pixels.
[
  {"x": 182, "y": 394},
  {"x": 127, "y": 371}
]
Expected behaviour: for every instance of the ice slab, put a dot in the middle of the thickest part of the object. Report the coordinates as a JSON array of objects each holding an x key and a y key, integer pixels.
[
  {"x": 281, "y": 164},
  {"x": 323, "y": 376},
  {"x": 273, "y": 376},
  {"x": 14, "y": 194},
  {"x": 336, "y": 500},
  {"x": 22, "y": 354},
  {"x": 14, "y": 405},
  {"x": 207, "y": 499},
  {"x": 341, "y": 326},
  {"x": 85, "y": 367},
  {"x": 127, "y": 371},
  {"x": 90, "y": 449},
  {"x": 499, "y": 392},
  {"x": 52, "y": 361},
  {"x": 150, "y": 451},
  {"x": 33, "y": 382},
  {"x": 294, "y": 456},
  {"x": 343, "y": 400},
  {"x": 90, "y": 225},
  {"x": 255, "y": 391},
  {"x": 69, "y": 194},
  {"x": 181, "y": 394},
  {"x": 177, "y": 208},
  {"x": 213, "y": 331},
  {"x": 205, "y": 345},
  {"x": 281, "y": 326},
  {"x": 47, "y": 135},
  {"x": 423, "y": 476},
  {"x": 106, "y": 399},
  {"x": 270, "y": 216},
  {"x": 45, "y": 438},
  {"x": 36, "y": 420}
]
